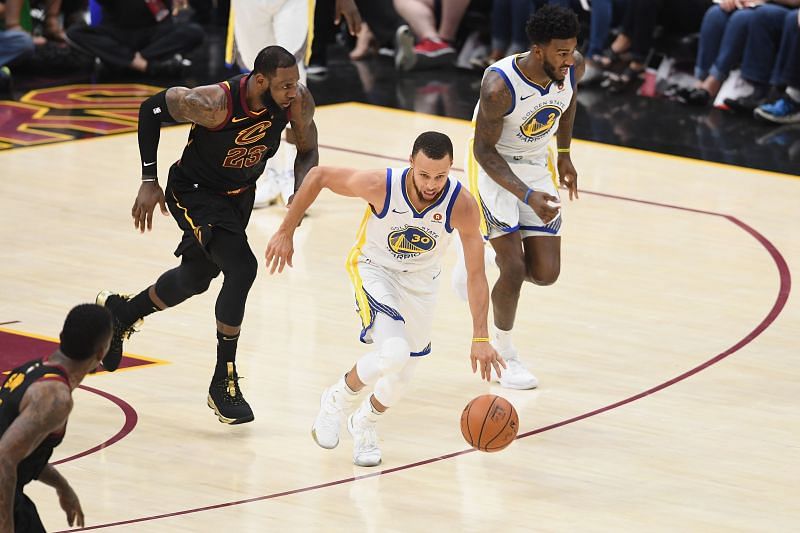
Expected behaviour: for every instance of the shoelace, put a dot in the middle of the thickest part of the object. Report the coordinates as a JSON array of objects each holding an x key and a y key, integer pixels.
[
  {"x": 368, "y": 440},
  {"x": 232, "y": 392}
]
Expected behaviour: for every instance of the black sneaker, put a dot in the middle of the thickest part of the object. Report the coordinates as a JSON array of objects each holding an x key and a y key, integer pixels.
[
  {"x": 122, "y": 331},
  {"x": 226, "y": 400}
]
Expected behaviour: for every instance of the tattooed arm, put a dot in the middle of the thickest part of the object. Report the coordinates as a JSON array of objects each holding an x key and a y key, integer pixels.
[
  {"x": 567, "y": 174},
  {"x": 305, "y": 135},
  {"x": 206, "y": 105},
  {"x": 495, "y": 101},
  {"x": 44, "y": 409}
]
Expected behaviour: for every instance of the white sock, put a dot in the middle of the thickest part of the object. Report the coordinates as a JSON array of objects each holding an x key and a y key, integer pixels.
[
  {"x": 366, "y": 413},
  {"x": 502, "y": 341},
  {"x": 342, "y": 385},
  {"x": 794, "y": 93}
]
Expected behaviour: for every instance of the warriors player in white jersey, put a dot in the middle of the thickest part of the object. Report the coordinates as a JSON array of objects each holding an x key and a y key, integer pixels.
[
  {"x": 395, "y": 266},
  {"x": 525, "y": 101}
]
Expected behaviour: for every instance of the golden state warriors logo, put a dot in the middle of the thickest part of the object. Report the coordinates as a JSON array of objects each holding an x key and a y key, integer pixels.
[
  {"x": 539, "y": 123},
  {"x": 410, "y": 241},
  {"x": 254, "y": 133}
]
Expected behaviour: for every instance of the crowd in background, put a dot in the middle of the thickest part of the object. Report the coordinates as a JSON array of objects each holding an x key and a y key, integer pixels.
[{"x": 739, "y": 55}]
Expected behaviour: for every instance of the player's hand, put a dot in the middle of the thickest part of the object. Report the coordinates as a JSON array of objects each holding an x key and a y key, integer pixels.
[
  {"x": 150, "y": 194},
  {"x": 728, "y": 5},
  {"x": 567, "y": 175},
  {"x": 71, "y": 505},
  {"x": 484, "y": 356},
  {"x": 538, "y": 200},
  {"x": 348, "y": 10},
  {"x": 279, "y": 251}
]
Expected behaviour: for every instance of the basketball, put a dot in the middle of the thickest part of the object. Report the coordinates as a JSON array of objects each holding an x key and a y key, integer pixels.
[{"x": 489, "y": 423}]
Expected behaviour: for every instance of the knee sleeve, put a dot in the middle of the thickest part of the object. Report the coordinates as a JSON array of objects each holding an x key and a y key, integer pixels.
[
  {"x": 389, "y": 389},
  {"x": 393, "y": 355}
]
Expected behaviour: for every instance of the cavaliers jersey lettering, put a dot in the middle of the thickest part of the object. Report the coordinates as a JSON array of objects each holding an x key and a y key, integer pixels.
[
  {"x": 233, "y": 155},
  {"x": 399, "y": 237},
  {"x": 11, "y": 392},
  {"x": 532, "y": 120}
]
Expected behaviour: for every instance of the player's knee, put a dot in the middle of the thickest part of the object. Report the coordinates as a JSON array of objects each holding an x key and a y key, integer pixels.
[
  {"x": 198, "y": 285},
  {"x": 394, "y": 355},
  {"x": 512, "y": 267},
  {"x": 244, "y": 270},
  {"x": 544, "y": 276}
]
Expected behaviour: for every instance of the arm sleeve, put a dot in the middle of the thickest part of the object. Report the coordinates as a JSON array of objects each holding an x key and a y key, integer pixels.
[{"x": 152, "y": 113}]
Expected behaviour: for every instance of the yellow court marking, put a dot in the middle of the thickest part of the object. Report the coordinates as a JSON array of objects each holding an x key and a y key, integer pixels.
[{"x": 151, "y": 360}]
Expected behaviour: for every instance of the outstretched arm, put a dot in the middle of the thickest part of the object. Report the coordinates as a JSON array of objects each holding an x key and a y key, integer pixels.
[
  {"x": 367, "y": 184},
  {"x": 466, "y": 220},
  {"x": 495, "y": 102},
  {"x": 567, "y": 174},
  {"x": 305, "y": 136},
  {"x": 44, "y": 409}
]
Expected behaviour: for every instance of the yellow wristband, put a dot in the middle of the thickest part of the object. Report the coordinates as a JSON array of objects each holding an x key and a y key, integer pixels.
[
  {"x": 480, "y": 339},
  {"x": 563, "y": 150}
]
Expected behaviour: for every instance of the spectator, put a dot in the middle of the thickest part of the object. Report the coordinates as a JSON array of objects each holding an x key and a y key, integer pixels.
[
  {"x": 139, "y": 35},
  {"x": 435, "y": 45},
  {"x": 508, "y": 28},
  {"x": 766, "y": 55},
  {"x": 723, "y": 36},
  {"x": 638, "y": 32},
  {"x": 786, "y": 109},
  {"x": 380, "y": 24},
  {"x": 15, "y": 42}
]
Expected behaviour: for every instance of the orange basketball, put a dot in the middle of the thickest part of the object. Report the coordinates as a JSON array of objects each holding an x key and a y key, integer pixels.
[{"x": 489, "y": 423}]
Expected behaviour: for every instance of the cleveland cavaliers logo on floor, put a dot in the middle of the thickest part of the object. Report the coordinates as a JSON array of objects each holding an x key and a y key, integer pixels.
[{"x": 411, "y": 241}]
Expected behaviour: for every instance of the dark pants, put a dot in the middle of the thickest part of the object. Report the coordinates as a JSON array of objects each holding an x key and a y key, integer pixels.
[
  {"x": 790, "y": 71},
  {"x": 117, "y": 46},
  {"x": 26, "y": 518},
  {"x": 771, "y": 55},
  {"x": 508, "y": 25},
  {"x": 676, "y": 16},
  {"x": 381, "y": 18},
  {"x": 722, "y": 41}
]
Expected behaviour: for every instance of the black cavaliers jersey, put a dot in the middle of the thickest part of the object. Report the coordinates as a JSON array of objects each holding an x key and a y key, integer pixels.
[
  {"x": 233, "y": 155},
  {"x": 11, "y": 392}
]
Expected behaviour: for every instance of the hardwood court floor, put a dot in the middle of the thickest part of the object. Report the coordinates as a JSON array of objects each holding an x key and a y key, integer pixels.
[{"x": 668, "y": 264}]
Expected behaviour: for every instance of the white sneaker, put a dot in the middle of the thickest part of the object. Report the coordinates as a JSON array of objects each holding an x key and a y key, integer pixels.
[
  {"x": 515, "y": 376},
  {"x": 334, "y": 404},
  {"x": 365, "y": 441},
  {"x": 404, "y": 56},
  {"x": 325, "y": 430},
  {"x": 268, "y": 189},
  {"x": 286, "y": 185}
]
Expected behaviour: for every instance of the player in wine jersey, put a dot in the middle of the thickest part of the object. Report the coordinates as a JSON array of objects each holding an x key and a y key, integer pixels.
[
  {"x": 35, "y": 402},
  {"x": 394, "y": 267},
  {"x": 525, "y": 100},
  {"x": 236, "y": 127}
]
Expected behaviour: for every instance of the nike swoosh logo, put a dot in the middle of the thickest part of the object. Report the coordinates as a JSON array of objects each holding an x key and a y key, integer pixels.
[
  {"x": 526, "y": 97},
  {"x": 239, "y": 119},
  {"x": 399, "y": 212},
  {"x": 149, "y": 164}
]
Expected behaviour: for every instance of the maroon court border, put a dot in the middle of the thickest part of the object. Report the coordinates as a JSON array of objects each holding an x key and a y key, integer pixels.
[
  {"x": 780, "y": 302},
  {"x": 131, "y": 419}
]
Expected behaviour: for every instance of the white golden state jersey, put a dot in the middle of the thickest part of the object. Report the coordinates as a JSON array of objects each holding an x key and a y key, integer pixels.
[
  {"x": 532, "y": 120},
  {"x": 400, "y": 238}
]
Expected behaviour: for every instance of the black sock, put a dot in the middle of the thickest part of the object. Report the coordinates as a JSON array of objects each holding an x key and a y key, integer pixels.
[
  {"x": 137, "y": 307},
  {"x": 226, "y": 353}
]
